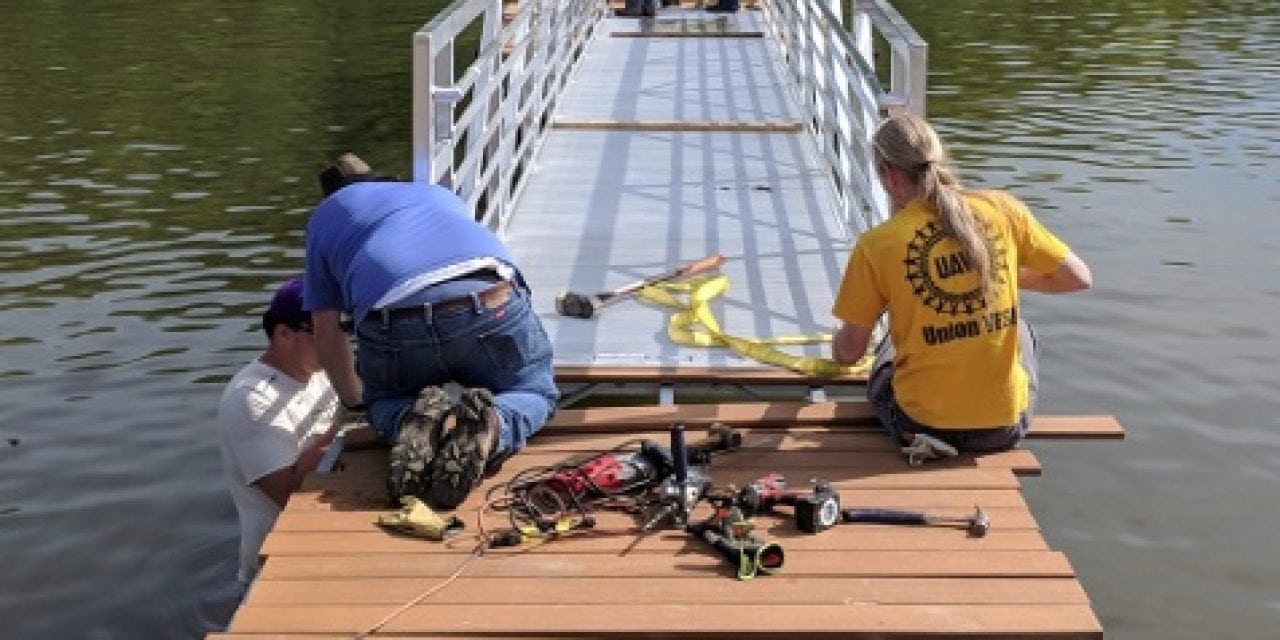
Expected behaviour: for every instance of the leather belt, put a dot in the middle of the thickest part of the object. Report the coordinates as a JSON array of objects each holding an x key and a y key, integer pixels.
[{"x": 491, "y": 298}]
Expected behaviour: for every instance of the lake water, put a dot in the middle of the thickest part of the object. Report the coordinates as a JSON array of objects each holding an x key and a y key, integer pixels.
[{"x": 157, "y": 163}]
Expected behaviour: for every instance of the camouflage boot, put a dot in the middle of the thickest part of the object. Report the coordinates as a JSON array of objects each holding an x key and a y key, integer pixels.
[
  {"x": 416, "y": 445},
  {"x": 465, "y": 450}
]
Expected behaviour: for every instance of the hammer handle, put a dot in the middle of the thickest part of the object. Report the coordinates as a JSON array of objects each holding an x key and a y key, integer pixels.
[
  {"x": 706, "y": 264},
  {"x": 884, "y": 516}
]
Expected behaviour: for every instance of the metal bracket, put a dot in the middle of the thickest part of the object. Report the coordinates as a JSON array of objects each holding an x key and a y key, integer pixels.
[
  {"x": 666, "y": 394},
  {"x": 444, "y": 97},
  {"x": 817, "y": 394}
]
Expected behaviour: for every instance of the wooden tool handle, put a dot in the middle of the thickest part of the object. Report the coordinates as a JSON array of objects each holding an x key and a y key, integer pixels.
[{"x": 706, "y": 264}]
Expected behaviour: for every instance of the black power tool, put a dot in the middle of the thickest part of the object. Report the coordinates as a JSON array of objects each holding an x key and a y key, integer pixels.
[
  {"x": 817, "y": 509},
  {"x": 662, "y": 482},
  {"x": 729, "y": 533}
]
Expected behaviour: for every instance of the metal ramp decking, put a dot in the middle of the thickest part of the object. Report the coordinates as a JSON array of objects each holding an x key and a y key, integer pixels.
[{"x": 667, "y": 147}]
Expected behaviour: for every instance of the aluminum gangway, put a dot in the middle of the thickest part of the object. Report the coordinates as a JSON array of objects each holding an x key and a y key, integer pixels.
[{"x": 607, "y": 149}]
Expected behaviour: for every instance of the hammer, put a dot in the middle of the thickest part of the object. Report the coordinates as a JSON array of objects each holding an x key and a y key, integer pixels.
[
  {"x": 977, "y": 524},
  {"x": 578, "y": 305}
]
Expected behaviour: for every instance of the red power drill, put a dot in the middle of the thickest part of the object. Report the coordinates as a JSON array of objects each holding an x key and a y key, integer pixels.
[
  {"x": 815, "y": 510},
  {"x": 633, "y": 473},
  {"x": 606, "y": 474}
]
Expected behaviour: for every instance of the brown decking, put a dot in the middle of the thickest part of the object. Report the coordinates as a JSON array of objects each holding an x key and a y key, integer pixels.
[
  {"x": 332, "y": 573},
  {"x": 764, "y": 376}
]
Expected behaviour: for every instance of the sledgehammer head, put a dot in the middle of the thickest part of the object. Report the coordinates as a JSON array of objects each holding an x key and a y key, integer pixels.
[
  {"x": 979, "y": 523},
  {"x": 575, "y": 305}
]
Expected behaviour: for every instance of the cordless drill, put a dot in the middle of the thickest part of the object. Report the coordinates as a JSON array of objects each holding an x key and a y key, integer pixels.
[
  {"x": 684, "y": 485},
  {"x": 817, "y": 509},
  {"x": 729, "y": 533}
]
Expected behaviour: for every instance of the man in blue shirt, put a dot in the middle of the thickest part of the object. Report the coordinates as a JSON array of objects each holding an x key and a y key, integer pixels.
[{"x": 435, "y": 297}]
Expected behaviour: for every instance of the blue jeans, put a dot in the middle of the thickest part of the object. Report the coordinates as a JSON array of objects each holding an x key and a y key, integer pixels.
[
  {"x": 504, "y": 349},
  {"x": 636, "y": 5},
  {"x": 896, "y": 421}
]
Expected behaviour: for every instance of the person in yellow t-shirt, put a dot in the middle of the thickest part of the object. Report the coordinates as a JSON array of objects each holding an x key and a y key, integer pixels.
[{"x": 959, "y": 362}]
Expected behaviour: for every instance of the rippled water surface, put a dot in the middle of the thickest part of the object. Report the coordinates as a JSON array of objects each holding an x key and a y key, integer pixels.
[{"x": 157, "y": 162}]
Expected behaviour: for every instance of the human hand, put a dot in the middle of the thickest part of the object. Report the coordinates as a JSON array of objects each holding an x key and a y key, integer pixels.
[{"x": 349, "y": 415}]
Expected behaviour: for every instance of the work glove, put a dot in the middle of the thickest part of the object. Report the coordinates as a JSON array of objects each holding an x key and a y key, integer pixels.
[
  {"x": 415, "y": 518},
  {"x": 925, "y": 447}
]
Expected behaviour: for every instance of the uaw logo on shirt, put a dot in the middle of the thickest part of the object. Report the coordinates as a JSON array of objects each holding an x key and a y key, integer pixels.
[{"x": 932, "y": 270}]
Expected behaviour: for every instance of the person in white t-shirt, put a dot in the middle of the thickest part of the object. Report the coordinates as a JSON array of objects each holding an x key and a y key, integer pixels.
[{"x": 276, "y": 418}]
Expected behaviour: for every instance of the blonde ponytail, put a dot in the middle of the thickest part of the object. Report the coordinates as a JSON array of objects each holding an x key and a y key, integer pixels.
[{"x": 909, "y": 144}]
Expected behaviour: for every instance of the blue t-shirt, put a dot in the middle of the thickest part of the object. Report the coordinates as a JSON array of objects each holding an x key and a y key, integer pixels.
[{"x": 371, "y": 237}]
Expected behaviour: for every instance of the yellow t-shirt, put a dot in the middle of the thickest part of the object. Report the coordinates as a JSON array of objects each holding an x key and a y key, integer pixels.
[{"x": 956, "y": 364}]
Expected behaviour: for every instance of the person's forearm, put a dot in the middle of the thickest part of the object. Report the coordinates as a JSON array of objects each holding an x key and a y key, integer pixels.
[
  {"x": 311, "y": 454},
  {"x": 1032, "y": 281},
  {"x": 1042, "y": 283},
  {"x": 281, "y": 483},
  {"x": 1072, "y": 275},
  {"x": 849, "y": 344},
  {"x": 339, "y": 364},
  {"x": 336, "y": 357}
]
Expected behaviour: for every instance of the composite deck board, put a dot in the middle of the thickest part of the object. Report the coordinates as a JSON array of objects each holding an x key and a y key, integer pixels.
[
  {"x": 836, "y": 467},
  {"x": 331, "y": 570},
  {"x": 1047, "y": 620},
  {"x": 815, "y": 565},
  {"x": 622, "y": 590},
  {"x": 693, "y": 374},
  {"x": 300, "y": 520},
  {"x": 791, "y": 414},
  {"x": 670, "y": 544},
  {"x": 877, "y": 476},
  {"x": 325, "y": 495},
  {"x": 826, "y": 464}
]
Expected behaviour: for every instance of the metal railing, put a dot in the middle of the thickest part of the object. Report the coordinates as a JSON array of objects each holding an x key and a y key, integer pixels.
[
  {"x": 839, "y": 90},
  {"x": 478, "y": 132}
]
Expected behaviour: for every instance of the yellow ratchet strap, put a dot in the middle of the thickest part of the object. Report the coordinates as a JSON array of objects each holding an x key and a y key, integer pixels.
[{"x": 694, "y": 324}]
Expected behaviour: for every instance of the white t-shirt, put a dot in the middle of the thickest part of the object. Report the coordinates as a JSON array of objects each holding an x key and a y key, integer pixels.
[{"x": 265, "y": 418}]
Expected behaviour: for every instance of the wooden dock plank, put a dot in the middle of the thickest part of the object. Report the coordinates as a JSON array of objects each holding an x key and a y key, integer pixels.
[
  {"x": 802, "y": 464},
  {"x": 618, "y": 590},
  {"x": 330, "y": 569},
  {"x": 334, "y": 497},
  {"x": 922, "y": 563},
  {"x": 300, "y": 520},
  {"x": 862, "y": 438},
  {"x": 793, "y": 414},
  {"x": 871, "y": 475},
  {"x": 668, "y": 543},
  {"x": 757, "y": 414},
  {"x": 698, "y": 374},
  {"x": 1048, "y": 620},
  {"x": 1103, "y": 427}
]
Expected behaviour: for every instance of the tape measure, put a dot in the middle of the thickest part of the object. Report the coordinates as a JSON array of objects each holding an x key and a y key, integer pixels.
[{"x": 694, "y": 324}]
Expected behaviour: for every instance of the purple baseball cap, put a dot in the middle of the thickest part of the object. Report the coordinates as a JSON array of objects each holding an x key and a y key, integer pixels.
[{"x": 286, "y": 308}]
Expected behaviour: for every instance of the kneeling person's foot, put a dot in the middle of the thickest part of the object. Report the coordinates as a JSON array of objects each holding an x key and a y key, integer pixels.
[
  {"x": 465, "y": 450},
  {"x": 416, "y": 445}
]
